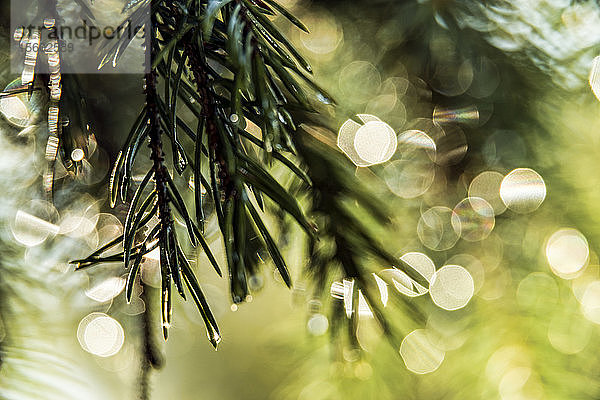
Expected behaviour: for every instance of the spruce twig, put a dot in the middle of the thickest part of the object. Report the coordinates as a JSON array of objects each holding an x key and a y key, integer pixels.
[
  {"x": 228, "y": 65},
  {"x": 151, "y": 357}
]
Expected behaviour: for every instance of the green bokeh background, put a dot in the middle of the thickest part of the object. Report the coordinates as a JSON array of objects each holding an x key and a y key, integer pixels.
[{"x": 539, "y": 114}]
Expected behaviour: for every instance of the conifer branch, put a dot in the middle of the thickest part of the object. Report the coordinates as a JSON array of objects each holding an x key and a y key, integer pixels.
[{"x": 228, "y": 65}]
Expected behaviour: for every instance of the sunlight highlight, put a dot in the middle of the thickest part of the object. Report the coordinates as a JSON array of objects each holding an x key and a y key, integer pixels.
[
  {"x": 523, "y": 190},
  {"x": 419, "y": 353},
  {"x": 100, "y": 335},
  {"x": 372, "y": 143},
  {"x": 567, "y": 252},
  {"x": 106, "y": 290},
  {"x": 594, "y": 77},
  {"x": 473, "y": 219},
  {"x": 451, "y": 287}
]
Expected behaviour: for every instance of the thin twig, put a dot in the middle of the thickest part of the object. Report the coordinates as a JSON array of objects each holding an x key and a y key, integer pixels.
[{"x": 151, "y": 356}]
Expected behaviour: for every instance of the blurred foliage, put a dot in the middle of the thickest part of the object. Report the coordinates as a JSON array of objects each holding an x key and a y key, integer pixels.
[{"x": 525, "y": 334}]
